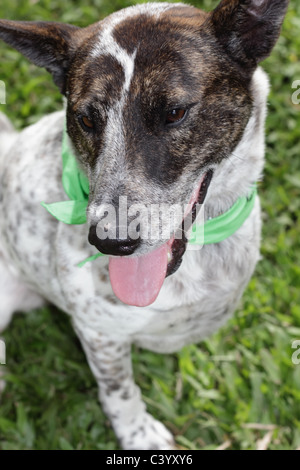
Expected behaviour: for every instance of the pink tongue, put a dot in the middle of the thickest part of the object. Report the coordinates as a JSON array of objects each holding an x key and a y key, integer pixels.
[{"x": 137, "y": 281}]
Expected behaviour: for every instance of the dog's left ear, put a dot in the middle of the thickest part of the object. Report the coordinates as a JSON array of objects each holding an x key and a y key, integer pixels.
[
  {"x": 248, "y": 29},
  {"x": 46, "y": 44}
]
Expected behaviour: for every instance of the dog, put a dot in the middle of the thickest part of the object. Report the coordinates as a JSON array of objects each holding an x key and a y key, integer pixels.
[{"x": 163, "y": 103}]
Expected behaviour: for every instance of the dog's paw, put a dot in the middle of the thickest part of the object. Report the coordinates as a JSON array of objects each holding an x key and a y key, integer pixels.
[{"x": 147, "y": 434}]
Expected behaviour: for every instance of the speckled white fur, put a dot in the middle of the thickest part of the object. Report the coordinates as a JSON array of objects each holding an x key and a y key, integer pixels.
[
  {"x": 32, "y": 270},
  {"x": 39, "y": 256}
]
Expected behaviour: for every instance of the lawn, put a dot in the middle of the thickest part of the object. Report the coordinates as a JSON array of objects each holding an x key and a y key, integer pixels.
[{"x": 240, "y": 388}]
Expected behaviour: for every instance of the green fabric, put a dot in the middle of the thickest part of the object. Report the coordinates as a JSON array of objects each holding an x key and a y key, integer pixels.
[
  {"x": 220, "y": 228},
  {"x": 68, "y": 212},
  {"x": 76, "y": 187}
]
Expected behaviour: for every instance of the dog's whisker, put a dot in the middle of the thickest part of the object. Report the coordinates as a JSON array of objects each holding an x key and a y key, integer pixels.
[{"x": 239, "y": 157}]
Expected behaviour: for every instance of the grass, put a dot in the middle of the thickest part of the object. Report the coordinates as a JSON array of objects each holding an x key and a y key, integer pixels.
[{"x": 237, "y": 387}]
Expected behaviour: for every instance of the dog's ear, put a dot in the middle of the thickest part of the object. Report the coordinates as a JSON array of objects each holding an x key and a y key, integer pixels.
[
  {"x": 248, "y": 29},
  {"x": 46, "y": 44}
]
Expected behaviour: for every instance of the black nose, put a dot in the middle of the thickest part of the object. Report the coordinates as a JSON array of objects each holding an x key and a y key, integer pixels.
[{"x": 116, "y": 246}]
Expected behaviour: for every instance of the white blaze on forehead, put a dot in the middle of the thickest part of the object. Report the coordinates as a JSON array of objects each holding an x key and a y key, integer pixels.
[
  {"x": 114, "y": 140},
  {"x": 107, "y": 45}
]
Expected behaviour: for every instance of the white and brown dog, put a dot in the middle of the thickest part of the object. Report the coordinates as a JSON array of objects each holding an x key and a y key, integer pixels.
[{"x": 164, "y": 103}]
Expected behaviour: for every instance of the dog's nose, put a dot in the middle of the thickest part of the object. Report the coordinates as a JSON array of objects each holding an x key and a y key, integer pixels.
[{"x": 110, "y": 246}]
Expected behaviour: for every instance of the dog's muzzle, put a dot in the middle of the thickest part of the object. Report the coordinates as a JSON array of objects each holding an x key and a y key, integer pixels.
[{"x": 137, "y": 280}]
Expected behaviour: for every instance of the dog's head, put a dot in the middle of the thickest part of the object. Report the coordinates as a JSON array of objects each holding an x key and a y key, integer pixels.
[{"x": 158, "y": 95}]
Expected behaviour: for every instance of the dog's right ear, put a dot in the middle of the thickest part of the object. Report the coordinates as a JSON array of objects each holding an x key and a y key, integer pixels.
[
  {"x": 248, "y": 29},
  {"x": 46, "y": 44}
]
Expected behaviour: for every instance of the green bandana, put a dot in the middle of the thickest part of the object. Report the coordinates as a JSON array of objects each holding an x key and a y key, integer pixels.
[{"x": 76, "y": 186}]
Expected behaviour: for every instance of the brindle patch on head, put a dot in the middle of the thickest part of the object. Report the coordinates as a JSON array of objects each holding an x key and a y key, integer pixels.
[
  {"x": 95, "y": 86},
  {"x": 101, "y": 80},
  {"x": 150, "y": 65},
  {"x": 183, "y": 66},
  {"x": 130, "y": 31}
]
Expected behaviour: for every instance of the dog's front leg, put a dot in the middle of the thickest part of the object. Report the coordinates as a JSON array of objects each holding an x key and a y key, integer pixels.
[{"x": 110, "y": 362}]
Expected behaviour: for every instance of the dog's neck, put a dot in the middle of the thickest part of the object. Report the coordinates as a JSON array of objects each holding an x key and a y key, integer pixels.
[{"x": 224, "y": 192}]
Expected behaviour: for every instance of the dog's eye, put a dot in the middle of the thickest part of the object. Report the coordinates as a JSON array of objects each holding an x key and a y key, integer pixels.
[
  {"x": 86, "y": 123},
  {"x": 175, "y": 116}
]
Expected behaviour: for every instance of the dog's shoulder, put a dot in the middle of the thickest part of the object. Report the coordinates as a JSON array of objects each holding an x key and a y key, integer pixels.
[{"x": 34, "y": 162}]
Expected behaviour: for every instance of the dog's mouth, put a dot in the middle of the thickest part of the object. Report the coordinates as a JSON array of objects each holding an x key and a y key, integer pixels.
[{"x": 138, "y": 280}]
